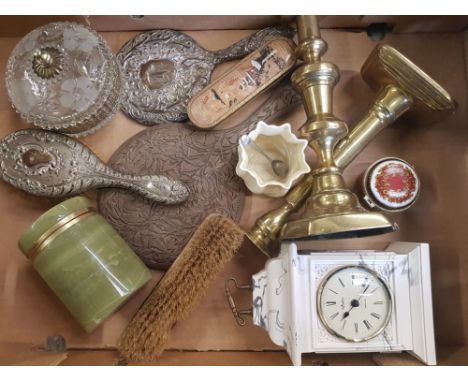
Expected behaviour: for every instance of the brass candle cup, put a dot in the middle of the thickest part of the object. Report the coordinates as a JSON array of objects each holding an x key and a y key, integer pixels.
[{"x": 401, "y": 86}]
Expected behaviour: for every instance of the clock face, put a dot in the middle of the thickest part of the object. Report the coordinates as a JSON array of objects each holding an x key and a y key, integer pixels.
[{"x": 354, "y": 303}]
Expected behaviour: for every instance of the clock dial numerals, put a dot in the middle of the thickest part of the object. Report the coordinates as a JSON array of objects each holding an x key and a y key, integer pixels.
[
  {"x": 365, "y": 282},
  {"x": 367, "y": 324},
  {"x": 358, "y": 294}
]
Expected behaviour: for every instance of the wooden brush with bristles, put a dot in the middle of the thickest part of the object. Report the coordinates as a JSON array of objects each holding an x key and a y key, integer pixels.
[{"x": 212, "y": 245}]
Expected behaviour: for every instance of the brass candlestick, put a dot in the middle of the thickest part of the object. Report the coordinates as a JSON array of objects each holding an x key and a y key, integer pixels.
[
  {"x": 401, "y": 86},
  {"x": 332, "y": 211}
]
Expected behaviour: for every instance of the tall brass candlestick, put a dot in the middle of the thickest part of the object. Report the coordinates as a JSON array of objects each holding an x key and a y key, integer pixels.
[
  {"x": 332, "y": 211},
  {"x": 401, "y": 86}
]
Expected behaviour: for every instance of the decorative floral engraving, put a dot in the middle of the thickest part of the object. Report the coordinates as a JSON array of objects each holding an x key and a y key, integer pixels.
[
  {"x": 79, "y": 39},
  {"x": 50, "y": 164},
  {"x": 78, "y": 93},
  {"x": 63, "y": 77},
  {"x": 203, "y": 160},
  {"x": 150, "y": 100}
]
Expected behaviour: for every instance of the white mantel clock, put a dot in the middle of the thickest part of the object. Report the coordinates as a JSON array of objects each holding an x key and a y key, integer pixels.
[{"x": 352, "y": 301}]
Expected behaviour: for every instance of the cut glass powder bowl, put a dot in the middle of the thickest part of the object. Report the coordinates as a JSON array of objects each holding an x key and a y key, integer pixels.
[{"x": 63, "y": 77}]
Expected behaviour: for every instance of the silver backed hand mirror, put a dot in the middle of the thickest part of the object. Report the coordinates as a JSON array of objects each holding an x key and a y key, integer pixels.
[
  {"x": 50, "y": 164},
  {"x": 164, "y": 68}
]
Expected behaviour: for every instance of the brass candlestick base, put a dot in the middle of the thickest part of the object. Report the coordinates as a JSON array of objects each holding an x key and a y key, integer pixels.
[
  {"x": 267, "y": 227},
  {"x": 332, "y": 211}
]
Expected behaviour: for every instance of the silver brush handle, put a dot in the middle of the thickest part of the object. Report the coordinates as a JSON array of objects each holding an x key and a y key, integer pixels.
[
  {"x": 247, "y": 45},
  {"x": 158, "y": 188}
]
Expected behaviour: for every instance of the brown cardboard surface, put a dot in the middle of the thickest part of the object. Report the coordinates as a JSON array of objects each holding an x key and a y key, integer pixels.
[
  {"x": 219, "y": 358},
  {"x": 119, "y": 23},
  {"x": 11, "y": 26},
  {"x": 30, "y": 312},
  {"x": 399, "y": 23},
  {"x": 396, "y": 359},
  {"x": 418, "y": 24}
]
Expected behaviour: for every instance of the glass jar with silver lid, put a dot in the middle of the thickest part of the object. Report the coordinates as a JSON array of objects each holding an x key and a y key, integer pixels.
[{"x": 63, "y": 77}]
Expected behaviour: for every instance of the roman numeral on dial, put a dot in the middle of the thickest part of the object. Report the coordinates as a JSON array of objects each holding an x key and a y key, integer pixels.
[
  {"x": 375, "y": 315},
  {"x": 333, "y": 315},
  {"x": 367, "y": 323},
  {"x": 329, "y": 303}
]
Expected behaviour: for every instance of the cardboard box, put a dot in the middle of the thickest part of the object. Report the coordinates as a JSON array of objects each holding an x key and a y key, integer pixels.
[{"x": 30, "y": 312}]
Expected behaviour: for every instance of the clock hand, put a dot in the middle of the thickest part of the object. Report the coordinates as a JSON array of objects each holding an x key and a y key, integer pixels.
[
  {"x": 355, "y": 303},
  {"x": 364, "y": 291}
]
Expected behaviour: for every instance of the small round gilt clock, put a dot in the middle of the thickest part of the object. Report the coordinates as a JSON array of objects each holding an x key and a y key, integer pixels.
[{"x": 354, "y": 303}]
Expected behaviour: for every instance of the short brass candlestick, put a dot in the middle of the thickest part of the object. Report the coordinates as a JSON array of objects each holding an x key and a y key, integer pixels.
[
  {"x": 401, "y": 86},
  {"x": 332, "y": 211}
]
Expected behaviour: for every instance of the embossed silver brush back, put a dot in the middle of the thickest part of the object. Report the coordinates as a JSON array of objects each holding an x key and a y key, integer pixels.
[
  {"x": 164, "y": 68},
  {"x": 204, "y": 160},
  {"x": 63, "y": 77},
  {"x": 50, "y": 164}
]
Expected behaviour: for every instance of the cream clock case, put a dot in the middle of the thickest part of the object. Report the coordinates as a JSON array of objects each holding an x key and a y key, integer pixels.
[{"x": 345, "y": 302}]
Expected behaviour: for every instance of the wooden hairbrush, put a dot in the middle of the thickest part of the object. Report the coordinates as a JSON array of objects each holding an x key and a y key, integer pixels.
[{"x": 212, "y": 245}]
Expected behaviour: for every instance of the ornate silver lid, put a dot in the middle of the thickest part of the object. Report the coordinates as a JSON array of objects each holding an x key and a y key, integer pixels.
[{"x": 63, "y": 77}]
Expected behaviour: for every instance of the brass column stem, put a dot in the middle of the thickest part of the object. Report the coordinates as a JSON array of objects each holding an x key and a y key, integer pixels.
[
  {"x": 332, "y": 210},
  {"x": 391, "y": 103}
]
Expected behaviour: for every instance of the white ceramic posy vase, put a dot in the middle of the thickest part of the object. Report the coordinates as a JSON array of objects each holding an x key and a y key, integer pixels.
[{"x": 277, "y": 142}]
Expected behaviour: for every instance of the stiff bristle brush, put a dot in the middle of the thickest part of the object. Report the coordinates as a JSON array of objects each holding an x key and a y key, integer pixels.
[{"x": 213, "y": 244}]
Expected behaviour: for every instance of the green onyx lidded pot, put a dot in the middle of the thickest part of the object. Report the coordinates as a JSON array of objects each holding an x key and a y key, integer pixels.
[{"x": 83, "y": 260}]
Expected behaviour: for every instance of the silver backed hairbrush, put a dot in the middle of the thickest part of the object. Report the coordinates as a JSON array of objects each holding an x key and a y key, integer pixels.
[
  {"x": 164, "y": 69},
  {"x": 51, "y": 164}
]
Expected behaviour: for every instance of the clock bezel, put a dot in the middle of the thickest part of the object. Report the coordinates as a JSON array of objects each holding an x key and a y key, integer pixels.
[{"x": 324, "y": 281}]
